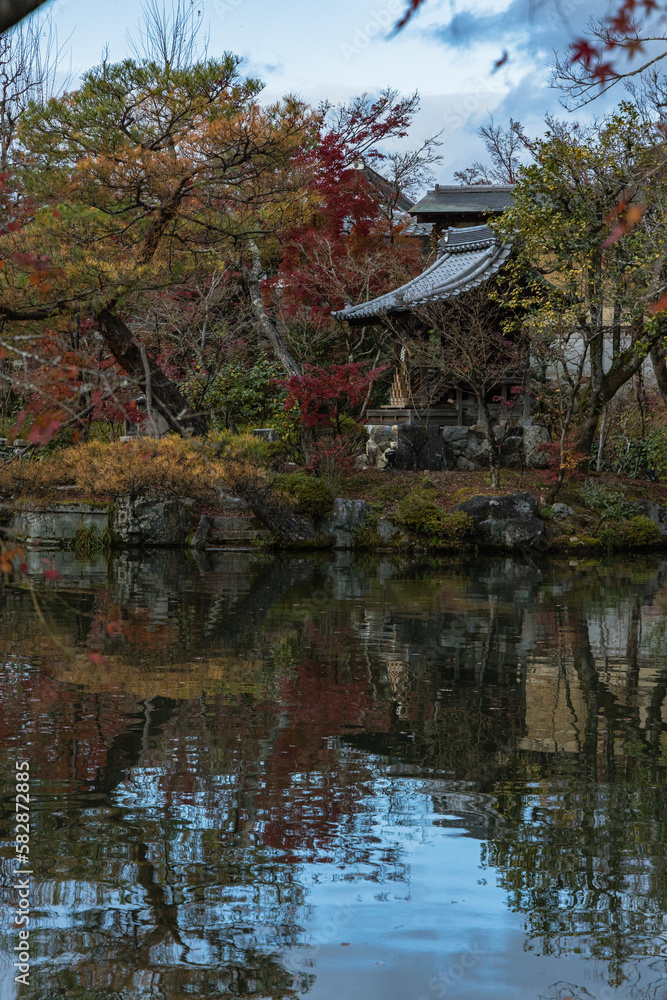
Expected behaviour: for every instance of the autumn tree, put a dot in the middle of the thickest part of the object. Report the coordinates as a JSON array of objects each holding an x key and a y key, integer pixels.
[
  {"x": 352, "y": 245},
  {"x": 146, "y": 178},
  {"x": 588, "y": 217}
]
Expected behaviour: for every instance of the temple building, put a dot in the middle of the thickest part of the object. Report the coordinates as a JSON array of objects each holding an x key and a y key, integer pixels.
[
  {"x": 468, "y": 256},
  {"x": 462, "y": 206}
]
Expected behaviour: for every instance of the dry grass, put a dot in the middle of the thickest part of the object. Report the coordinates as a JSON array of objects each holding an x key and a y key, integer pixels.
[{"x": 170, "y": 466}]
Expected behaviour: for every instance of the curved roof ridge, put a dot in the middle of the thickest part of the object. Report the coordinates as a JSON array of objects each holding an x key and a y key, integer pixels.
[{"x": 467, "y": 257}]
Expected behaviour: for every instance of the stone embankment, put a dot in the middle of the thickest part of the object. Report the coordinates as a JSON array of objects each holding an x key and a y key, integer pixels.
[
  {"x": 512, "y": 523},
  {"x": 430, "y": 447}
]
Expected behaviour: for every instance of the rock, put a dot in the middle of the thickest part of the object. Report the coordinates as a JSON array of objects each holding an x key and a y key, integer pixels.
[
  {"x": 455, "y": 440},
  {"x": 381, "y": 434},
  {"x": 461, "y": 448},
  {"x": 380, "y": 438},
  {"x": 229, "y": 502},
  {"x": 201, "y": 534},
  {"x": 153, "y": 522},
  {"x": 512, "y": 532},
  {"x": 561, "y": 512},
  {"x": 267, "y": 433},
  {"x": 420, "y": 446},
  {"x": 534, "y": 436},
  {"x": 507, "y": 522},
  {"x": 657, "y": 513},
  {"x": 511, "y": 453},
  {"x": 346, "y": 517},
  {"x": 465, "y": 464},
  {"x": 512, "y": 506},
  {"x": 361, "y": 462},
  {"x": 386, "y": 529}
]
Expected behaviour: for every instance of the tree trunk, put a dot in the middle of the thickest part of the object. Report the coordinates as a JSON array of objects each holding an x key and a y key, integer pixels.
[
  {"x": 660, "y": 369},
  {"x": 622, "y": 370},
  {"x": 166, "y": 397},
  {"x": 264, "y": 321},
  {"x": 494, "y": 451}
]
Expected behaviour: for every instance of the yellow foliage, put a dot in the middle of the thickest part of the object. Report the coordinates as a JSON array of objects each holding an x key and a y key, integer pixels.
[{"x": 170, "y": 466}]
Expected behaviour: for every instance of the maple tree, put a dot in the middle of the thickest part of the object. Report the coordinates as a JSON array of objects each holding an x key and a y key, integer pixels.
[
  {"x": 352, "y": 244},
  {"x": 325, "y": 395}
]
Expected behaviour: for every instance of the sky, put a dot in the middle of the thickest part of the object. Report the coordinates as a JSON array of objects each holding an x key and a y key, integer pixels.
[{"x": 337, "y": 49}]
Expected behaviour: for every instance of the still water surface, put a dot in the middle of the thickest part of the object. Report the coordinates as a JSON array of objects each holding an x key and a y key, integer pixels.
[{"x": 274, "y": 777}]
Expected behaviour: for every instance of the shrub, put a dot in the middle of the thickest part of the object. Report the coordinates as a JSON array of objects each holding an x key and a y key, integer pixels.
[
  {"x": 641, "y": 530},
  {"x": 419, "y": 513},
  {"x": 609, "y": 503},
  {"x": 638, "y": 532},
  {"x": 169, "y": 466},
  {"x": 310, "y": 496},
  {"x": 245, "y": 393},
  {"x": 245, "y": 447}
]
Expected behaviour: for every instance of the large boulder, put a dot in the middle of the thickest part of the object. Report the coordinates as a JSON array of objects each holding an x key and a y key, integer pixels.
[
  {"x": 511, "y": 533},
  {"x": 464, "y": 447},
  {"x": 534, "y": 436},
  {"x": 468, "y": 447},
  {"x": 514, "y": 505},
  {"x": 380, "y": 438},
  {"x": 420, "y": 446},
  {"x": 148, "y": 522},
  {"x": 346, "y": 517},
  {"x": 656, "y": 513},
  {"x": 507, "y": 522}
]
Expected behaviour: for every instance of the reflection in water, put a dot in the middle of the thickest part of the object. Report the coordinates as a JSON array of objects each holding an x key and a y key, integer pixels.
[{"x": 272, "y": 777}]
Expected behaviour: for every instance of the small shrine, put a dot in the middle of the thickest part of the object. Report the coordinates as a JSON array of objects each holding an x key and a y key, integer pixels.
[
  {"x": 437, "y": 422},
  {"x": 467, "y": 257}
]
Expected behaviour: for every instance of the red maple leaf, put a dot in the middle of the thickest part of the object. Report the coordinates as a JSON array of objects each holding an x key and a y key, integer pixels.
[
  {"x": 603, "y": 72},
  {"x": 583, "y": 52},
  {"x": 99, "y": 659},
  {"x": 45, "y": 428}
]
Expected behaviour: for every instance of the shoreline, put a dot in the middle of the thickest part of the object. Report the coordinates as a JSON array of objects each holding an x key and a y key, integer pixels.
[{"x": 419, "y": 522}]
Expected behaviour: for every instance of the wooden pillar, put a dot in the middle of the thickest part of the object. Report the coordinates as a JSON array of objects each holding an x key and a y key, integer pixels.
[{"x": 459, "y": 408}]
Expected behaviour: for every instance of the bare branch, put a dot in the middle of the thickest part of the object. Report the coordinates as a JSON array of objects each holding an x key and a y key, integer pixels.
[{"x": 172, "y": 37}]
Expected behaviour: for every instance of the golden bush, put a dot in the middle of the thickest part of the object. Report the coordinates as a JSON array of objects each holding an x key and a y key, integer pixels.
[{"x": 170, "y": 466}]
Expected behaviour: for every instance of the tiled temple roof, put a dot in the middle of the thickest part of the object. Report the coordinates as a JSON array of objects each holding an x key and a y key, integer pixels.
[
  {"x": 466, "y": 258},
  {"x": 464, "y": 199}
]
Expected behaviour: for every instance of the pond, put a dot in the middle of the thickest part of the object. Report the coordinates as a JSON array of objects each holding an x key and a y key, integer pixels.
[{"x": 335, "y": 777}]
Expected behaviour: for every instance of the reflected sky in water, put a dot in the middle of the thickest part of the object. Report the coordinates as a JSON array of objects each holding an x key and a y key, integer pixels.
[{"x": 275, "y": 776}]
